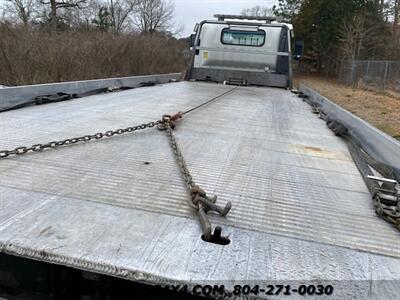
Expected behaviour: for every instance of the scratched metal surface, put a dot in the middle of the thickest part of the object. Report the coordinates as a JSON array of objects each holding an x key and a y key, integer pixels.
[{"x": 300, "y": 208}]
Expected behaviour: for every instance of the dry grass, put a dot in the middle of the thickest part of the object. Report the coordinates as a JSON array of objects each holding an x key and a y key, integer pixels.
[
  {"x": 35, "y": 56},
  {"x": 382, "y": 109}
]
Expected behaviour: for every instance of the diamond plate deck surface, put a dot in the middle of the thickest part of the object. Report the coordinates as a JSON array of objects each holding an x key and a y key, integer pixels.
[{"x": 300, "y": 207}]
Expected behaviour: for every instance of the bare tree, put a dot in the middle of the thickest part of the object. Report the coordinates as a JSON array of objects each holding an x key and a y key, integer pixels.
[
  {"x": 119, "y": 11},
  {"x": 57, "y": 5},
  {"x": 396, "y": 23},
  {"x": 24, "y": 10},
  {"x": 153, "y": 15},
  {"x": 83, "y": 16},
  {"x": 356, "y": 39},
  {"x": 102, "y": 21},
  {"x": 396, "y": 13},
  {"x": 258, "y": 11}
]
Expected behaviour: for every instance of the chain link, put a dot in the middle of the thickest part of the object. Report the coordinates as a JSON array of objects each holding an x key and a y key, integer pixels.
[
  {"x": 167, "y": 126},
  {"x": 198, "y": 197},
  {"x": 198, "y": 200},
  {"x": 85, "y": 138}
]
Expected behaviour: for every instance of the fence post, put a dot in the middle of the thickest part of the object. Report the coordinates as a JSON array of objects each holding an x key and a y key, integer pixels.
[
  {"x": 397, "y": 76},
  {"x": 341, "y": 71},
  {"x": 352, "y": 72},
  {"x": 366, "y": 75},
  {"x": 384, "y": 77}
]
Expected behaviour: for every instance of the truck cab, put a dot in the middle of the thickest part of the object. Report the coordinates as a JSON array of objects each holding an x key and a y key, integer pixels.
[{"x": 249, "y": 50}]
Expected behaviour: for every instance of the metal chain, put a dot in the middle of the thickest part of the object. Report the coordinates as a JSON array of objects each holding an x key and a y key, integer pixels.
[
  {"x": 167, "y": 125},
  {"x": 85, "y": 138},
  {"x": 198, "y": 197},
  {"x": 198, "y": 200},
  {"x": 39, "y": 147},
  {"x": 210, "y": 100}
]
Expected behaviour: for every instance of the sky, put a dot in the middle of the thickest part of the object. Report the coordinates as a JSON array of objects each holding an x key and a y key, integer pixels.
[{"x": 190, "y": 12}]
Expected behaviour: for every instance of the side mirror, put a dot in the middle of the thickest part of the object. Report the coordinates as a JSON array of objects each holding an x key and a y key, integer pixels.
[
  {"x": 298, "y": 49},
  {"x": 192, "y": 40}
]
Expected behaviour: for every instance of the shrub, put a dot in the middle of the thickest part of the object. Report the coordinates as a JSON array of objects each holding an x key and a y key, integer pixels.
[{"x": 39, "y": 56}]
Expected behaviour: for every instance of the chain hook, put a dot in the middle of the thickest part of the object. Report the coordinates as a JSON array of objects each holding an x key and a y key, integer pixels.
[
  {"x": 204, "y": 204},
  {"x": 168, "y": 119}
]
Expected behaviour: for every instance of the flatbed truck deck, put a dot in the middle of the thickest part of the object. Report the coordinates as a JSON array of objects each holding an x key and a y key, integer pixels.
[{"x": 118, "y": 206}]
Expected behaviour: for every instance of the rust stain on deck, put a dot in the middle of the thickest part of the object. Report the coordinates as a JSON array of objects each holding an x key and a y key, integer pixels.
[{"x": 325, "y": 153}]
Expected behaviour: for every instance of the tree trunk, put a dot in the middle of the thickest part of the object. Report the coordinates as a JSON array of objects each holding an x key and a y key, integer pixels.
[
  {"x": 396, "y": 19},
  {"x": 53, "y": 15}
]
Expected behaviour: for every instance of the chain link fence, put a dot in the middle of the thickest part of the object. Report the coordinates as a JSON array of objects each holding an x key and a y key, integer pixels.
[{"x": 380, "y": 75}]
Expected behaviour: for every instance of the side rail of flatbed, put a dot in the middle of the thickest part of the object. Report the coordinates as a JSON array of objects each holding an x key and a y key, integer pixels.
[
  {"x": 376, "y": 154},
  {"x": 378, "y": 144},
  {"x": 19, "y": 96}
]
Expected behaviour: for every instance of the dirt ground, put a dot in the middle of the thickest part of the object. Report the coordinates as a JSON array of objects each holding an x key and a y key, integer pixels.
[{"x": 382, "y": 109}]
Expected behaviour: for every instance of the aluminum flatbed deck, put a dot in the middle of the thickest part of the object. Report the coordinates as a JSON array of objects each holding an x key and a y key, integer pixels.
[{"x": 118, "y": 206}]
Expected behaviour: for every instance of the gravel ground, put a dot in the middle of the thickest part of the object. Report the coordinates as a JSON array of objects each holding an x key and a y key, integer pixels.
[{"x": 382, "y": 109}]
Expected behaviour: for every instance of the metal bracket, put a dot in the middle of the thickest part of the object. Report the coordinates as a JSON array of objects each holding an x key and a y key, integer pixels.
[
  {"x": 239, "y": 82},
  {"x": 387, "y": 191}
]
